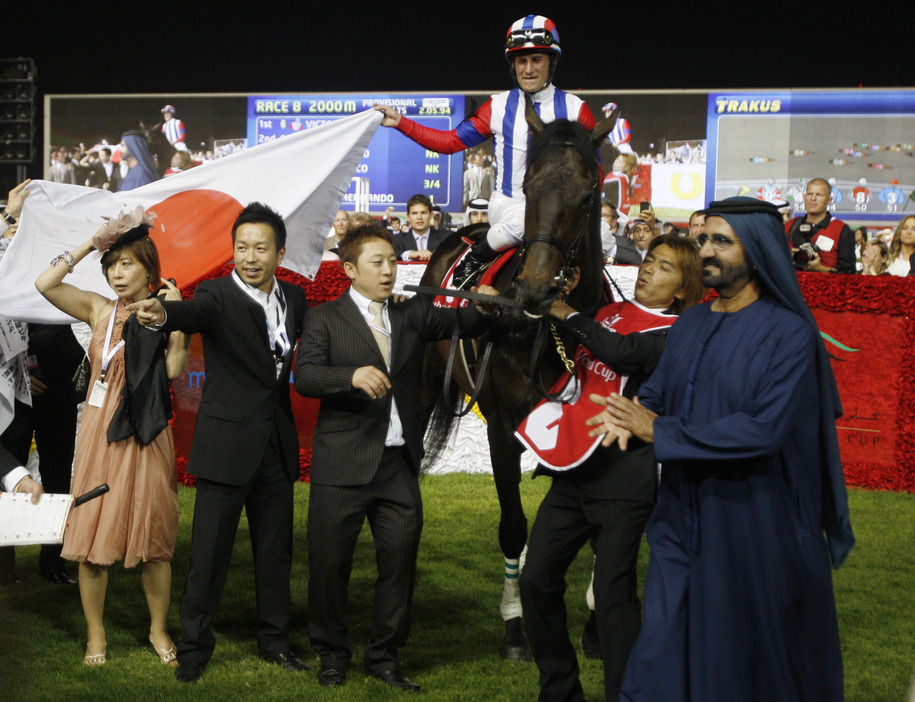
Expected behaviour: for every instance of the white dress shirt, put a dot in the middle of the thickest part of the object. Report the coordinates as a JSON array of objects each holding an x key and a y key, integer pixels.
[{"x": 394, "y": 436}]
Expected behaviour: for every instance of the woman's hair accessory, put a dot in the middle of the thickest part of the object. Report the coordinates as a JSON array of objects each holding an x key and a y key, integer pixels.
[{"x": 115, "y": 227}]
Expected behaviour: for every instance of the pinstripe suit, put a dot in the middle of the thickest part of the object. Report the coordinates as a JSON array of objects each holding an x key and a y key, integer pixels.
[
  {"x": 353, "y": 475},
  {"x": 245, "y": 454}
]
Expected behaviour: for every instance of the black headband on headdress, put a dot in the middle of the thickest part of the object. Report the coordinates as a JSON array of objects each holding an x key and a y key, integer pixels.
[
  {"x": 742, "y": 205},
  {"x": 131, "y": 235},
  {"x": 141, "y": 231}
]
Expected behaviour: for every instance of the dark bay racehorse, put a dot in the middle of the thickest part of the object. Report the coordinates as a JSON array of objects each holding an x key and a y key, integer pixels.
[
  {"x": 159, "y": 147},
  {"x": 562, "y": 232}
]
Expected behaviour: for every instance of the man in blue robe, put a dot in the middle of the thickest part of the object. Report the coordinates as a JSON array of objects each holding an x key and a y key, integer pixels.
[{"x": 739, "y": 602}]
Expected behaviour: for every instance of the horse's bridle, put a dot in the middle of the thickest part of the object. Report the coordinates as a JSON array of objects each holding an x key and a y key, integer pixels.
[{"x": 567, "y": 252}]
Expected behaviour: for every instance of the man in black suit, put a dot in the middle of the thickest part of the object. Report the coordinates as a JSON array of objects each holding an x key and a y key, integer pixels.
[
  {"x": 53, "y": 356},
  {"x": 15, "y": 478},
  {"x": 103, "y": 173},
  {"x": 418, "y": 243},
  {"x": 363, "y": 357},
  {"x": 246, "y": 450}
]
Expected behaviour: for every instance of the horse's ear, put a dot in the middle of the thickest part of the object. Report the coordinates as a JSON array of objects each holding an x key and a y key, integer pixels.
[
  {"x": 604, "y": 127},
  {"x": 530, "y": 114}
]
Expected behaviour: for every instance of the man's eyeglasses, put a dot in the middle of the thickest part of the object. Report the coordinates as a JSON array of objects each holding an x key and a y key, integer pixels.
[{"x": 719, "y": 241}]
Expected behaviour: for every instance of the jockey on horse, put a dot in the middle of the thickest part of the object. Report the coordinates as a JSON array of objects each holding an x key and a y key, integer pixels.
[{"x": 532, "y": 50}]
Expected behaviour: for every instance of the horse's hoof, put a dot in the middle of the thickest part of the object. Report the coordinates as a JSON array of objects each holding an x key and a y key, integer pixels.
[
  {"x": 590, "y": 644},
  {"x": 514, "y": 645}
]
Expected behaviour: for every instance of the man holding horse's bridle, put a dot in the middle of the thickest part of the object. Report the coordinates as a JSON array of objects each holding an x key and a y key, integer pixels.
[{"x": 532, "y": 50}]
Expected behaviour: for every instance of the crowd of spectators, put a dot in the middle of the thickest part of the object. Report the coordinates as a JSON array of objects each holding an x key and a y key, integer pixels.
[
  {"x": 626, "y": 238},
  {"x": 103, "y": 165},
  {"x": 106, "y": 164}
]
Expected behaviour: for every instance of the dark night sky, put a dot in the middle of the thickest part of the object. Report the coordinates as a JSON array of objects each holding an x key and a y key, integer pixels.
[
  {"x": 426, "y": 46},
  {"x": 405, "y": 46}
]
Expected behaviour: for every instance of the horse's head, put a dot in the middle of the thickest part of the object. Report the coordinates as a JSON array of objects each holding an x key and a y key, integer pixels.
[
  {"x": 159, "y": 148},
  {"x": 562, "y": 214}
]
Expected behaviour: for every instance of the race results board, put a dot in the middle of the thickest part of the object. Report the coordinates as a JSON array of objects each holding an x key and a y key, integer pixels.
[{"x": 394, "y": 166}]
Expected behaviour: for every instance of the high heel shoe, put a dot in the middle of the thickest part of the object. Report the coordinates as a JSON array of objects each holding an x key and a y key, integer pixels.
[
  {"x": 166, "y": 656},
  {"x": 95, "y": 658}
]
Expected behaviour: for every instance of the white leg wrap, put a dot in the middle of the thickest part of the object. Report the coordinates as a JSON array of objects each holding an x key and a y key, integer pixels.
[
  {"x": 511, "y": 592},
  {"x": 589, "y": 595}
]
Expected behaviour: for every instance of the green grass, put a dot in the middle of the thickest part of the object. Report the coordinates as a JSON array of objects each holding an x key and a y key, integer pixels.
[{"x": 456, "y": 625}]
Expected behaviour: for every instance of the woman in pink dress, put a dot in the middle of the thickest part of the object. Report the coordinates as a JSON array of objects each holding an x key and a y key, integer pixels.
[{"x": 127, "y": 445}]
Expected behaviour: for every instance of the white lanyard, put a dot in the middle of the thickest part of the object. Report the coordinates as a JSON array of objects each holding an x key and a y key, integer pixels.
[
  {"x": 275, "y": 312},
  {"x": 106, "y": 354}
]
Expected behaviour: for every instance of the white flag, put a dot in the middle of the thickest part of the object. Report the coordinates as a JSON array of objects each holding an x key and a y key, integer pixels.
[{"x": 303, "y": 176}]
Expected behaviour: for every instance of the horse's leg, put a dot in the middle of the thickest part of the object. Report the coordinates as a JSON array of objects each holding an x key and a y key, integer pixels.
[{"x": 505, "y": 453}]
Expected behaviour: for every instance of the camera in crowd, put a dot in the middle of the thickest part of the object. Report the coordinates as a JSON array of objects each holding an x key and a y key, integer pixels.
[{"x": 805, "y": 253}]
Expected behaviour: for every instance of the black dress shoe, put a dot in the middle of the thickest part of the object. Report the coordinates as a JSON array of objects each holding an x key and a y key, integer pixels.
[
  {"x": 58, "y": 578},
  {"x": 329, "y": 676},
  {"x": 10, "y": 579},
  {"x": 288, "y": 661},
  {"x": 396, "y": 679},
  {"x": 189, "y": 672}
]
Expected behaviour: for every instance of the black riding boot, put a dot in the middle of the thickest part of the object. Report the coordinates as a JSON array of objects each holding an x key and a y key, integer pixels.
[{"x": 480, "y": 253}]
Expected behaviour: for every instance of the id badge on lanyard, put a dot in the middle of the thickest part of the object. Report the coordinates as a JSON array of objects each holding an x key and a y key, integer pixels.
[{"x": 100, "y": 387}]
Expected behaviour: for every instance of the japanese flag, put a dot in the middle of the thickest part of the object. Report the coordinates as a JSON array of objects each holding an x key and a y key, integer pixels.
[{"x": 303, "y": 176}]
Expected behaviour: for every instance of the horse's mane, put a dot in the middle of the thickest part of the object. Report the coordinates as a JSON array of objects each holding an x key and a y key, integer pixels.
[{"x": 562, "y": 132}]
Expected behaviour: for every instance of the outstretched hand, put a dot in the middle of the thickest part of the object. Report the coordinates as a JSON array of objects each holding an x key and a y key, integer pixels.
[
  {"x": 391, "y": 116},
  {"x": 621, "y": 419},
  {"x": 17, "y": 197},
  {"x": 604, "y": 426},
  {"x": 149, "y": 311}
]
